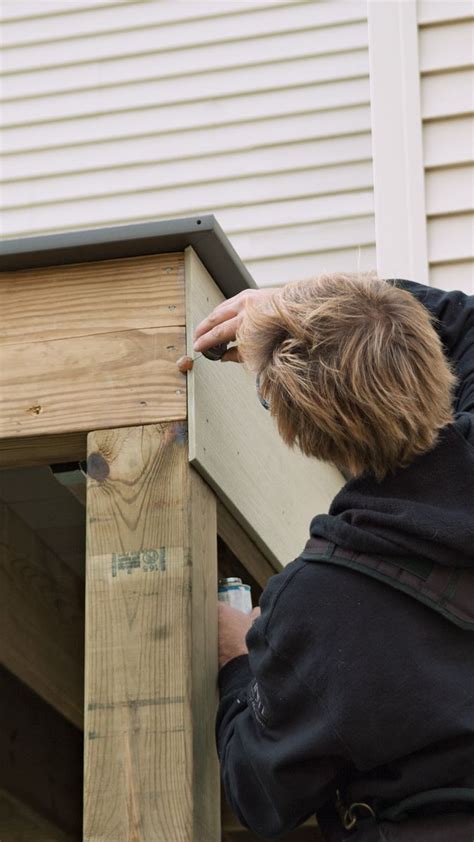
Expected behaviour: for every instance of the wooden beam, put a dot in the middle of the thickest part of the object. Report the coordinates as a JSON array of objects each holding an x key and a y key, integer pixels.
[
  {"x": 151, "y": 766},
  {"x": 42, "y": 617},
  {"x": 99, "y": 343},
  {"x": 229, "y": 565},
  {"x": 19, "y": 823},
  {"x": 41, "y": 766},
  {"x": 31, "y": 451},
  {"x": 273, "y": 492},
  {"x": 84, "y": 299},
  {"x": 249, "y": 555}
]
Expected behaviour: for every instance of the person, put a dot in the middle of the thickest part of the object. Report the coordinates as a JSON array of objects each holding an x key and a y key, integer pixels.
[{"x": 350, "y": 695}]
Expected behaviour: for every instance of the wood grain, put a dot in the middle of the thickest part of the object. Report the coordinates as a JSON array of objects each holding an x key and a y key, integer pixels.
[
  {"x": 88, "y": 382},
  {"x": 151, "y": 769},
  {"x": 85, "y": 347},
  {"x": 41, "y": 618},
  {"x": 60, "y": 302},
  {"x": 272, "y": 491},
  {"x": 30, "y": 451}
]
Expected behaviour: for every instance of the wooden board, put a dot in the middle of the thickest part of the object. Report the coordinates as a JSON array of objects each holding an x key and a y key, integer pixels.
[
  {"x": 18, "y": 823},
  {"x": 90, "y": 346},
  {"x": 59, "y": 302},
  {"x": 151, "y": 768},
  {"x": 42, "y": 618},
  {"x": 252, "y": 559},
  {"x": 42, "y": 450},
  {"x": 271, "y": 491},
  {"x": 41, "y": 766},
  {"x": 78, "y": 383}
]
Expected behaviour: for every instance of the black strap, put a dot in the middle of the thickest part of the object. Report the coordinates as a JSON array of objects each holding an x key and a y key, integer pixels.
[
  {"x": 431, "y": 802},
  {"x": 447, "y": 590}
]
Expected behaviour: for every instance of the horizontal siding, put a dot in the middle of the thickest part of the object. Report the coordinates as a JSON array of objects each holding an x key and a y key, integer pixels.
[
  {"x": 189, "y": 115},
  {"x": 447, "y": 94},
  {"x": 446, "y": 39},
  {"x": 104, "y": 76},
  {"x": 159, "y": 42},
  {"x": 448, "y": 141},
  {"x": 451, "y": 238},
  {"x": 444, "y": 11},
  {"x": 186, "y": 171},
  {"x": 274, "y": 271},
  {"x": 102, "y": 18},
  {"x": 256, "y": 113},
  {"x": 448, "y": 47},
  {"x": 156, "y": 146},
  {"x": 453, "y": 276},
  {"x": 189, "y": 200},
  {"x": 449, "y": 191},
  {"x": 188, "y": 86},
  {"x": 12, "y": 10}
]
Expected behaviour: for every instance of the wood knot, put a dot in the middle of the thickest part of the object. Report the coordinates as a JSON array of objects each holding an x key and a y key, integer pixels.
[{"x": 97, "y": 467}]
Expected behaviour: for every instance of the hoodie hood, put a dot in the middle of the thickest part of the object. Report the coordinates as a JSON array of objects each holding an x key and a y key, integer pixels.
[{"x": 426, "y": 509}]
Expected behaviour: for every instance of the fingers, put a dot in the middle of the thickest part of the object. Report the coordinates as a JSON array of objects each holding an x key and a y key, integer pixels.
[
  {"x": 224, "y": 311},
  {"x": 224, "y": 332},
  {"x": 221, "y": 325}
]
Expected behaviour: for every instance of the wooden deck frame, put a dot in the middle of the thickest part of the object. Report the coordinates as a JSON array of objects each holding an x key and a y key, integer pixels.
[
  {"x": 97, "y": 321},
  {"x": 41, "y": 768},
  {"x": 42, "y": 618},
  {"x": 151, "y": 768}
]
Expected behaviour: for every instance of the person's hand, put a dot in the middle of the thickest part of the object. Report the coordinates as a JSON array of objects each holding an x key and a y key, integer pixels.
[
  {"x": 222, "y": 323},
  {"x": 233, "y": 628}
]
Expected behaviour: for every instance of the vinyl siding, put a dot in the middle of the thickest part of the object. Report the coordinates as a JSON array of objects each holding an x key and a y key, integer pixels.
[
  {"x": 257, "y": 112},
  {"x": 446, "y": 48}
]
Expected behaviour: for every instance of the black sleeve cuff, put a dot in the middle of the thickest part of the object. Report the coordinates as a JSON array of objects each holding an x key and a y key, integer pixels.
[{"x": 234, "y": 676}]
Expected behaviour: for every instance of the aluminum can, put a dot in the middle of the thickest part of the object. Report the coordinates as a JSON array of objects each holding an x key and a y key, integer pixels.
[{"x": 232, "y": 591}]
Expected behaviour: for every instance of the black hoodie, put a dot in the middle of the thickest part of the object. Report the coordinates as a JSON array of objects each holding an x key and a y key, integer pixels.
[{"x": 349, "y": 683}]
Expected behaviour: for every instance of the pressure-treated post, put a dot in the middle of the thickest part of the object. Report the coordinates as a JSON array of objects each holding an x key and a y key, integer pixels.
[{"x": 151, "y": 767}]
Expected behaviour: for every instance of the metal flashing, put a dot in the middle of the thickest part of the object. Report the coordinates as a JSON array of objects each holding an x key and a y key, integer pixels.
[{"x": 203, "y": 233}]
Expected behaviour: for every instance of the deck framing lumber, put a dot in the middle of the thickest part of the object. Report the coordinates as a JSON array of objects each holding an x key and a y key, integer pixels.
[
  {"x": 87, "y": 347},
  {"x": 151, "y": 767},
  {"x": 41, "y": 768},
  {"x": 42, "y": 618}
]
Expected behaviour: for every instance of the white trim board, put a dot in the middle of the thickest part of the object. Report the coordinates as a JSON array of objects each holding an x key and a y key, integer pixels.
[
  {"x": 272, "y": 491},
  {"x": 397, "y": 150}
]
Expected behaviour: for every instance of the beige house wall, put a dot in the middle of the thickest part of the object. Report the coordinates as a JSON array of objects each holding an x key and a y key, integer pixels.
[{"x": 261, "y": 112}]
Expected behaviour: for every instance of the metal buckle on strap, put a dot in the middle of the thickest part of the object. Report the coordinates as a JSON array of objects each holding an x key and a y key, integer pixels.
[{"x": 348, "y": 815}]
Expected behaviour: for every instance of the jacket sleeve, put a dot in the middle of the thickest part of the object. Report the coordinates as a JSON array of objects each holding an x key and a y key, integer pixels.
[
  {"x": 454, "y": 323},
  {"x": 278, "y": 751}
]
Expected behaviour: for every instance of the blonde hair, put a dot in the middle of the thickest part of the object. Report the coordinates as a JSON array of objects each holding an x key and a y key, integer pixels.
[{"x": 353, "y": 369}]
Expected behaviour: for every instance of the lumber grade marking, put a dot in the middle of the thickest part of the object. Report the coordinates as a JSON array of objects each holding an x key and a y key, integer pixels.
[{"x": 151, "y": 659}]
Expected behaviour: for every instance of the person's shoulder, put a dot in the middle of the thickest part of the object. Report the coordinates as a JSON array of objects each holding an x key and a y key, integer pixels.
[{"x": 275, "y": 587}]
